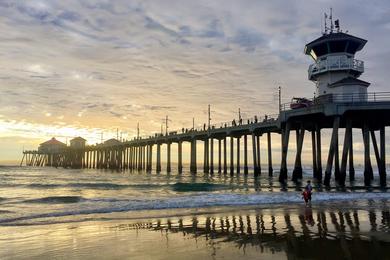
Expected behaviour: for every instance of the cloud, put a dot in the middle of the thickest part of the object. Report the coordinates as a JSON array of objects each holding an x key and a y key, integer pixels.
[
  {"x": 248, "y": 39},
  {"x": 116, "y": 63}
]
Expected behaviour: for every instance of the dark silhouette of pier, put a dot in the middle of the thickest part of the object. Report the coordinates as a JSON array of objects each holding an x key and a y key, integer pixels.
[
  {"x": 370, "y": 116},
  {"x": 310, "y": 233}
]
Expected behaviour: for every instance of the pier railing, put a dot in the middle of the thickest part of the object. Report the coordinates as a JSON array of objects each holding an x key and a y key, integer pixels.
[
  {"x": 335, "y": 63},
  {"x": 348, "y": 98},
  {"x": 220, "y": 125}
]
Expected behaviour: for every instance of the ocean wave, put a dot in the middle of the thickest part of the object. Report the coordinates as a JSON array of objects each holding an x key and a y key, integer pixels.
[
  {"x": 203, "y": 200},
  {"x": 202, "y": 186},
  {"x": 55, "y": 200},
  {"x": 88, "y": 185}
]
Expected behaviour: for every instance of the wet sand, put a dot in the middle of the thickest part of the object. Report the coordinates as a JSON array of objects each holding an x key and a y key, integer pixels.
[{"x": 349, "y": 230}]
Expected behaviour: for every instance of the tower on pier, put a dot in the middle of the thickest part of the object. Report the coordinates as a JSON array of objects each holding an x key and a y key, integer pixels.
[{"x": 335, "y": 69}]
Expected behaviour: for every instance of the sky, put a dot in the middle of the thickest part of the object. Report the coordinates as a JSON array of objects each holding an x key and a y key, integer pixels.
[{"x": 83, "y": 68}]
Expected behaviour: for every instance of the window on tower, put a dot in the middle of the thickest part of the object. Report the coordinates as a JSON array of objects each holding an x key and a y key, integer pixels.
[{"x": 337, "y": 46}]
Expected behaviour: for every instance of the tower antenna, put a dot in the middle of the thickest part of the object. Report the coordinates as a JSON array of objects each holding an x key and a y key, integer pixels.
[
  {"x": 325, "y": 25},
  {"x": 331, "y": 20}
]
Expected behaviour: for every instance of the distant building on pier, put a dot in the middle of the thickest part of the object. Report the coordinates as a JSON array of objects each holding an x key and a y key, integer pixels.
[
  {"x": 112, "y": 142},
  {"x": 78, "y": 143},
  {"x": 52, "y": 146}
]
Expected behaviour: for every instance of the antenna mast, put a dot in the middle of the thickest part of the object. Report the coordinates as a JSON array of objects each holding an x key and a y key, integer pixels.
[
  {"x": 325, "y": 25},
  {"x": 331, "y": 21}
]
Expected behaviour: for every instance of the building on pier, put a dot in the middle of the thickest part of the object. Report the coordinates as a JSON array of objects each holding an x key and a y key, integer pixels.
[
  {"x": 77, "y": 143},
  {"x": 52, "y": 146},
  {"x": 335, "y": 69},
  {"x": 112, "y": 142}
]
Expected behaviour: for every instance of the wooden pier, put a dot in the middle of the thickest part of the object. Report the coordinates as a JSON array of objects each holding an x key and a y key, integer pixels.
[{"x": 369, "y": 116}]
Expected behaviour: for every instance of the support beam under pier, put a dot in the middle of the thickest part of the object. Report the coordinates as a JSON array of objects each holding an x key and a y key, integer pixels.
[
  {"x": 224, "y": 156},
  {"x": 158, "y": 158},
  {"x": 168, "y": 157},
  {"x": 285, "y": 140},
  {"x": 254, "y": 152},
  {"x": 238, "y": 155},
  {"x": 368, "y": 173},
  {"x": 380, "y": 154},
  {"x": 319, "y": 154},
  {"x": 219, "y": 156},
  {"x": 211, "y": 155},
  {"x": 314, "y": 153},
  {"x": 297, "y": 172},
  {"x": 332, "y": 147},
  {"x": 382, "y": 172},
  {"x": 193, "y": 156},
  {"x": 206, "y": 155},
  {"x": 344, "y": 156},
  {"x": 258, "y": 154},
  {"x": 245, "y": 154},
  {"x": 180, "y": 157},
  {"x": 231, "y": 156},
  {"x": 270, "y": 169}
]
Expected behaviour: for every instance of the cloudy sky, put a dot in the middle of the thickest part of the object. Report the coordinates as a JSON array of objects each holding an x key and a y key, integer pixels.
[{"x": 83, "y": 67}]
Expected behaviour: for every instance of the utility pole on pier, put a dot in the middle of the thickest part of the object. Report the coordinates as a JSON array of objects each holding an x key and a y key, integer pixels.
[
  {"x": 209, "y": 117},
  {"x": 193, "y": 123},
  {"x": 166, "y": 125},
  {"x": 280, "y": 98},
  {"x": 138, "y": 130}
]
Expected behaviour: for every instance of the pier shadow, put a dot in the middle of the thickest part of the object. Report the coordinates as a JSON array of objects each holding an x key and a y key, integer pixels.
[{"x": 308, "y": 233}]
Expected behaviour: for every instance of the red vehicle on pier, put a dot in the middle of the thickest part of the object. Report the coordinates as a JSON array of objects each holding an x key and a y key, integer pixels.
[{"x": 297, "y": 103}]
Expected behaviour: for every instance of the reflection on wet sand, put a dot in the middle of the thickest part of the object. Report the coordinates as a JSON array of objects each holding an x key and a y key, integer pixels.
[{"x": 307, "y": 233}]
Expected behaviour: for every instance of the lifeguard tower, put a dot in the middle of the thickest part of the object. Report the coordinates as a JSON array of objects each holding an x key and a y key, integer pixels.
[{"x": 335, "y": 70}]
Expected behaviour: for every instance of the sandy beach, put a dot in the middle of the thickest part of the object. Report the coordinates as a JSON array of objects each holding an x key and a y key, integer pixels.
[{"x": 350, "y": 230}]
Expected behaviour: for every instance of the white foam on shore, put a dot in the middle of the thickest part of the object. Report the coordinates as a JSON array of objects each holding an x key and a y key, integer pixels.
[{"x": 202, "y": 200}]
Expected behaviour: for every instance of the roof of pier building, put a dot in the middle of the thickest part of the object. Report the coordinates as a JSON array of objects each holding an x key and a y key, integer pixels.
[
  {"x": 350, "y": 81},
  {"x": 51, "y": 146},
  {"x": 78, "y": 142},
  {"x": 51, "y": 142},
  {"x": 112, "y": 141},
  {"x": 333, "y": 43},
  {"x": 79, "y": 138}
]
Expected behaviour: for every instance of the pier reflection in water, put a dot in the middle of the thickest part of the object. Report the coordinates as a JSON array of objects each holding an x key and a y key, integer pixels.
[{"x": 303, "y": 233}]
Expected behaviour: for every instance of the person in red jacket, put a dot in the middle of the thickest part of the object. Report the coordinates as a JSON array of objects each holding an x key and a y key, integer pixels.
[{"x": 306, "y": 194}]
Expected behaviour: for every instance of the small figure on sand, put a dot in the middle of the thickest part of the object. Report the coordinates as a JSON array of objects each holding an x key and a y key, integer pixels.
[{"x": 306, "y": 194}]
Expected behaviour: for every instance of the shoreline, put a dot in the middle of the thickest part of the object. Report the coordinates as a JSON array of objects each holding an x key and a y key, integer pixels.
[
  {"x": 143, "y": 214},
  {"x": 336, "y": 229}
]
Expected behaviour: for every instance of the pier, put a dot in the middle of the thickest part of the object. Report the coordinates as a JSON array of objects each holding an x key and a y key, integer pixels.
[
  {"x": 341, "y": 102},
  {"x": 369, "y": 116}
]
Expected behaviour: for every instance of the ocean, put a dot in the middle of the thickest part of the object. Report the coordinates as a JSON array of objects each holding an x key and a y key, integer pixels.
[{"x": 48, "y": 213}]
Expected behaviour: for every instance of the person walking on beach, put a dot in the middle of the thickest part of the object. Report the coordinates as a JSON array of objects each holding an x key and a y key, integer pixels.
[{"x": 306, "y": 194}]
